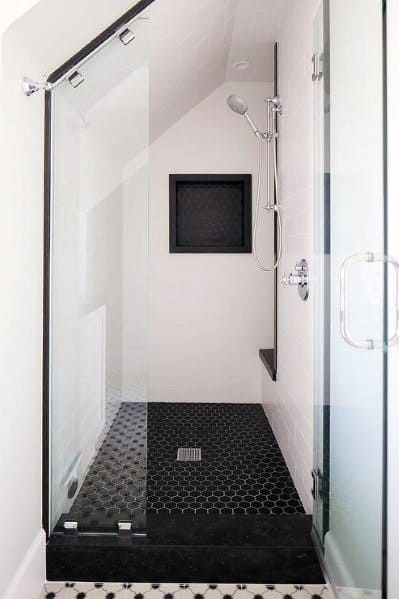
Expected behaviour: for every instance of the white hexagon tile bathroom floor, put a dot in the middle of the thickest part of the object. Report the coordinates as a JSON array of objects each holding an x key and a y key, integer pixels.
[{"x": 183, "y": 591}]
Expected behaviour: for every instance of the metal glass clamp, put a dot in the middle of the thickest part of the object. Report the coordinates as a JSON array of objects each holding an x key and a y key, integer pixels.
[{"x": 345, "y": 332}]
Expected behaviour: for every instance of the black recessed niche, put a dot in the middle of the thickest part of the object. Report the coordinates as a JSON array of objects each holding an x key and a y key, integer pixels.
[{"x": 210, "y": 213}]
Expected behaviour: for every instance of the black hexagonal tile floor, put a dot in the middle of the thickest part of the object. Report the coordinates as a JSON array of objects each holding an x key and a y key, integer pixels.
[{"x": 242, "y": 470}]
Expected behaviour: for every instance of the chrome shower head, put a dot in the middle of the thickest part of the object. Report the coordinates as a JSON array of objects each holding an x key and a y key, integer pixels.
[{"x": 237, "y": 104}]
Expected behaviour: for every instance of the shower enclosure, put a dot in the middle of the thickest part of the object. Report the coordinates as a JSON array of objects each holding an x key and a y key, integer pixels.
[
  {"x": 97, "y": 264},
  {"x": 190, "y": 473},
  {"x": 148, "y": 488}
]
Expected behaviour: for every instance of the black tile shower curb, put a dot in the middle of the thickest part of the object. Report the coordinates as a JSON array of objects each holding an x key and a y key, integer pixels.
[{"x": 220, "y": 549}]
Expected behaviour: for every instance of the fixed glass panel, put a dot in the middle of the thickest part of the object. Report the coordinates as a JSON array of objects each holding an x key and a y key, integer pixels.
[
  {"x": 98, "y": 274},
  {"x": 354, "y": 541}
]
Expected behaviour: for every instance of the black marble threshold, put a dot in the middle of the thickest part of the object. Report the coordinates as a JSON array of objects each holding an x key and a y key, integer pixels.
[
  {"x": 220, "y": 549},
  {"x": 268, "y": 357}
]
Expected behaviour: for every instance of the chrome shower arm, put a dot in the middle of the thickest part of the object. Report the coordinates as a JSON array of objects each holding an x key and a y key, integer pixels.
[{"x": 254, "y": 128}]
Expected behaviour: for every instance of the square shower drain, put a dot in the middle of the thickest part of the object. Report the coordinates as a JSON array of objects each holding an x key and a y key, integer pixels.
[{"x": 189, "y": 454}]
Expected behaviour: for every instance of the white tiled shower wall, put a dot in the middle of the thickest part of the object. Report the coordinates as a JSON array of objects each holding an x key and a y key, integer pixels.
[
  {"x": 289, "y": 401},
  {"x": 209, "y": 313}
]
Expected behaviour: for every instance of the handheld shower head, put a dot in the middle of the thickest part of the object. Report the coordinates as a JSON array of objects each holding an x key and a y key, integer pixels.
[{"x": 239, "y": 106}]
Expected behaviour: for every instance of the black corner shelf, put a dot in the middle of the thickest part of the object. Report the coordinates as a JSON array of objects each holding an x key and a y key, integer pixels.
[{"x": 268, "y": 357}]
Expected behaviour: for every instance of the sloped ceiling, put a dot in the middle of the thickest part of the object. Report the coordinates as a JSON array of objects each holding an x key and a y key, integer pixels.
[
  {"x": 256, "y": 28},
  {"x": 54, "y": 30},
  {"x": 190, "y": 45},
  {"x": 193, "y": 47}
]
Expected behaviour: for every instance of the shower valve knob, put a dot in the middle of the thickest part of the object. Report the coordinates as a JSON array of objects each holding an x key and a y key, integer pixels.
[
  {"x": 299, "y": 279},
  {"x": 291, "y": 279}
]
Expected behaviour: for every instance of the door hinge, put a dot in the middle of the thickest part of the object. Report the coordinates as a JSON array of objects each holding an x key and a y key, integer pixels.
[
  {"x": 318, "y": 490},
  {"x": 317, "y": 62}
]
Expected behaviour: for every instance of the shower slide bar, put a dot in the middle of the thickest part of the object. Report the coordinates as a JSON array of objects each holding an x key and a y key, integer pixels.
[{"x": 368, "y": 344}]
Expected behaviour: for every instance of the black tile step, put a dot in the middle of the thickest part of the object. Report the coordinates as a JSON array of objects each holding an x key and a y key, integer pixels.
[{"x": 224, "y": 549}]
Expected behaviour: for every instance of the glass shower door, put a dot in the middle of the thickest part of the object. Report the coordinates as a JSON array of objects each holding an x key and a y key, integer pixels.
[
  {"x": 98, "y": 290},
  {"x": 356, "y": 272}
]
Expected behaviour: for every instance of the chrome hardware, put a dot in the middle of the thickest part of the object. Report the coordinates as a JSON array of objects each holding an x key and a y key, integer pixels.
[
  {"x": 318, "y": 484},
  {"x": 346, "y": 335},
  {"x": 274, "y": 108},
  {"x": 189, "y": 454},
  {"x": 126, "y": 36},
  {"x": 85, "y": 59},
  {"x": 264, "y": 135},
  {"x": 125, "y": 528},
  {"x": 30, "y": 87},
  {"x": 70, "y": 525},
  {"x": 319, "y": 490},
  {"x": 320, "y": 67},
  {"x": 76, "y": 79},
  {"x": 317, "y": 61},
  {"x": 275, "y": 105},
  {"x": 300, "y": 279},
  {"x": 314, "y": 76},
  {"x": 140, "y": 534}
]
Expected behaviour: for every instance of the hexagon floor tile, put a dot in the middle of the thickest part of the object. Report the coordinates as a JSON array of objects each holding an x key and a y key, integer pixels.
[
  {"x": 242, "y": 470},
  {"x": 183, "y": 591}
]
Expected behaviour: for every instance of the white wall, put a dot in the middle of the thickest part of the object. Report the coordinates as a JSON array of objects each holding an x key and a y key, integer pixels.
[
  {"x": 289, "y": 401},
  {"x": 21, "y": 325},
  {"x": 209, "y": 314}
]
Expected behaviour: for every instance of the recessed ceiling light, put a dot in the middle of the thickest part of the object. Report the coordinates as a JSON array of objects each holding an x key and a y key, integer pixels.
[{"x": 241, "y": 65}]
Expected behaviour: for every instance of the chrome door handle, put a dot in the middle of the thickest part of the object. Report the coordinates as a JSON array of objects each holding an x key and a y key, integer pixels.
[{"x": 366, "y": 343}]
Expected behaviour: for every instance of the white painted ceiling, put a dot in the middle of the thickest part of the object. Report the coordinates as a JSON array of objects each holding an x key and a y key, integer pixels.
[
  {"x": 193, "y": 45},
  {"x": 54, "y": 30},
  {"x": 256, "y": 28},
  {"x": 190, "y": 44}
]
